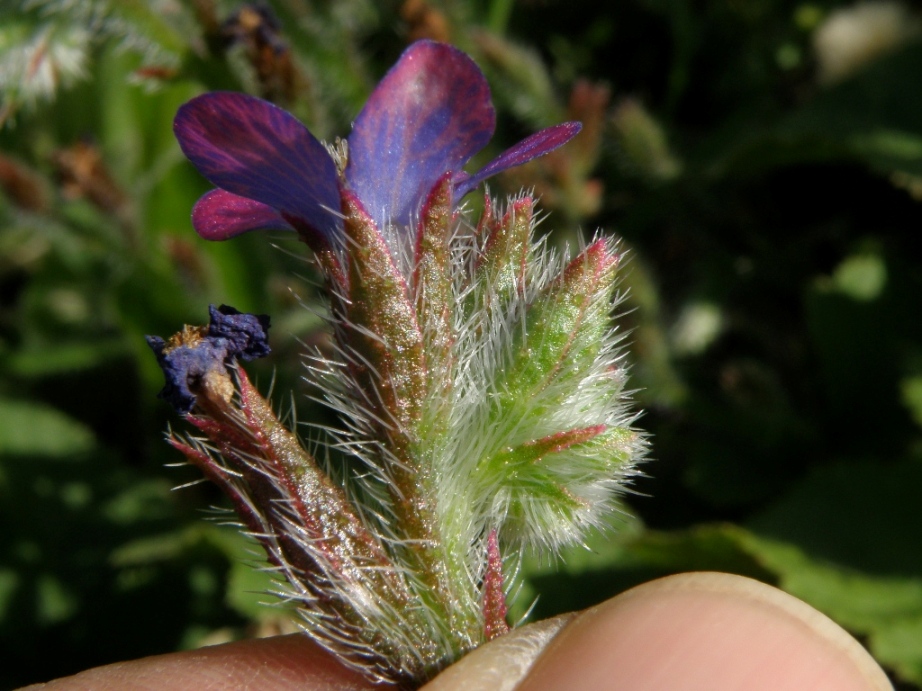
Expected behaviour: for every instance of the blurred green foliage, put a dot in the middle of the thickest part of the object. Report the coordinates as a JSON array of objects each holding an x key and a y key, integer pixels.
[{"x": 762, "y": 162}]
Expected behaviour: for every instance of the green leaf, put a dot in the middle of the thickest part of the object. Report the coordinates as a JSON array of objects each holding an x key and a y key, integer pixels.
[
  {"x": 846, "y": 541},
  {"x": 872, "y": 117},
  {"x": 29, "y": 428},
  {"x": 859, "y": 515},
  {"x": 250, "y": 591},
  {"x": 55, "y": 601},
  {"x": 9, "y": 585},
  {"x": 46, "y": 360},
  {"x": 250, "y": 583},
  {"x": 609, "y": 564},
  {"x": 898, "y": 646},
  {"x": 911, "y": 390}
]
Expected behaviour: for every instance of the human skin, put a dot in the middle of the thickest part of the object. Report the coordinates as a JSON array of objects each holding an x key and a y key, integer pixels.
[{"x": 690, "y": 632}]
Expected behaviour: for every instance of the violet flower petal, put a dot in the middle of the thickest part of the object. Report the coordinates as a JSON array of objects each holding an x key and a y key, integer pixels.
[
  {"x": 253, "y": 149},
  {"x": 231, "y": 335},
  {"x": 247, "y": 335},
  {"x": 538, "y": 144},
  {"x": 183, "y": 366},
  {"x": 429, "y": 115},
  {"x": 220, "y": 215}
]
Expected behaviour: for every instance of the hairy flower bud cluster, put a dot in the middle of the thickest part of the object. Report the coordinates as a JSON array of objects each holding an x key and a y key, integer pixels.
[{"x": 476, "y": 375}]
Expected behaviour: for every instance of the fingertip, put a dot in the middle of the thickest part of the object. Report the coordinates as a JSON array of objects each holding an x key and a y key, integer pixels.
[
  {"x": 278, "y": 664},
  {"x": 704, "y": 631}
]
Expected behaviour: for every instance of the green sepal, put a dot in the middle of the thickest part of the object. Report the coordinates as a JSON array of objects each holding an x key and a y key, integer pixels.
[
  {"x": 504, "y": 258},
  {"x": 527, "y": 473},
  {"x": 493, "y": 602},
  {"x": 564, "y": 327},
  {"x": 528, "y": 454},
  {"x": 389, "y": 342},
  {"x": 538, "y": 479},
  {"x": 382, "y": 330},
  {"x": 432, "y": 287}
]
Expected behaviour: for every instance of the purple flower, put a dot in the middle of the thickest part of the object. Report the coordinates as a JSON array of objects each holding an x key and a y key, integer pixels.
[
  {"x": 429, "y": 116},
  {"x": 194, "y": 352}
]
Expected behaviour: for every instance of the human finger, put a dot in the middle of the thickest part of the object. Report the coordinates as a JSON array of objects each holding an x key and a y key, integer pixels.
[
  {"x": 693, "y": 632},
  {"x": 275, "y": 664}
]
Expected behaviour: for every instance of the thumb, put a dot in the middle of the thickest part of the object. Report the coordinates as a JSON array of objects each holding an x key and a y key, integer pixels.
[{"x": 694, "y": 631}]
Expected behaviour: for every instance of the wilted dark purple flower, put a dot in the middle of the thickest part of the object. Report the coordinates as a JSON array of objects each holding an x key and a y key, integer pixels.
[
  {"x": 429, "y": 116},
  {"x": 246, "y": 335},
  {"x": 194, "y": 352}
]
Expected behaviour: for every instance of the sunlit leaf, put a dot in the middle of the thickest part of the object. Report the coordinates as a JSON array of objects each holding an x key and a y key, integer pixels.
[{"x": 30, "y": 428}]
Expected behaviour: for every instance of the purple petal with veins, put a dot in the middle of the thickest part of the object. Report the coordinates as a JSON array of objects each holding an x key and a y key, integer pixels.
[
  {"x": 536, "y": 145},
  {"x": 429, "y": 115},
  {"x": 256, "y": 150},
  {"x": 220, "y": 215}
]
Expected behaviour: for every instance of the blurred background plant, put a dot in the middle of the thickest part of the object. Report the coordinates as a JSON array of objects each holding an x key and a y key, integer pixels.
[{"x": 761, "y": 160}]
